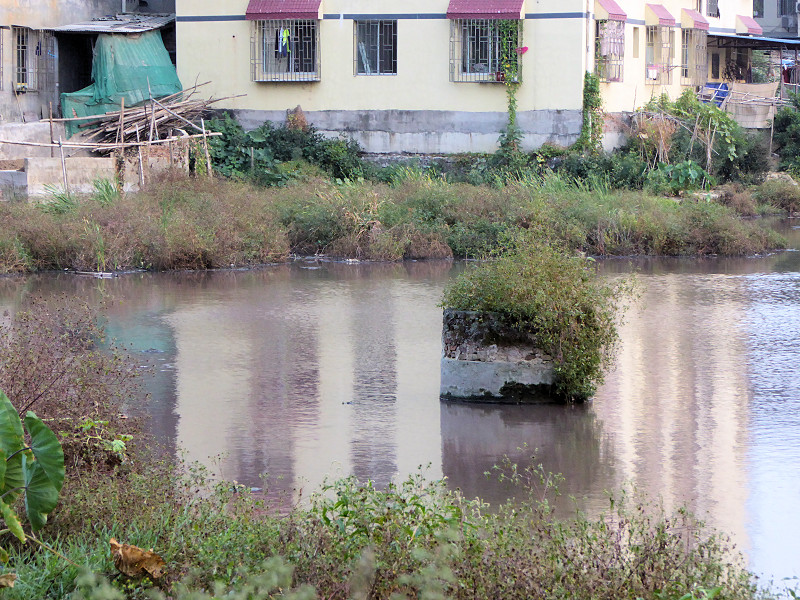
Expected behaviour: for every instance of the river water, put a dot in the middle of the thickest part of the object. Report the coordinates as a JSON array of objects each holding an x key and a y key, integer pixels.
[{"x": 319, "y": 369}]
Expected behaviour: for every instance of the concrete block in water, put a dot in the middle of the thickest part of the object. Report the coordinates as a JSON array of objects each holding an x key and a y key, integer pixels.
[{"x": 486, "y": 360}]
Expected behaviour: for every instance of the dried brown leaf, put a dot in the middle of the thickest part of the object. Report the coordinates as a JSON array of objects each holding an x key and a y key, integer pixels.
[
  {"x": 134, "y": 561},
  {"x": 7, "y": 580}
]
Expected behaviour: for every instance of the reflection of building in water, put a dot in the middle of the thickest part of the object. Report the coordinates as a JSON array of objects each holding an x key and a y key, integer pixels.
[
  {"x": 373, "y": 444},
  {"x": 563, "y": 439},
  {"x": 676, "y": 408},
  {"x": 247, "y": 373}
]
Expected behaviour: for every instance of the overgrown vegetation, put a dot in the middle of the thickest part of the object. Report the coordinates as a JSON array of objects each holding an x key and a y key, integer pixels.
[
  {"x": 181, "y": 223},
  {"x": 538, "y": 287}
]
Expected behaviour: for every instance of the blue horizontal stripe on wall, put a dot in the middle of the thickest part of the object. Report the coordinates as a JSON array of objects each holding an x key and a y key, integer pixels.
[
  {"x": 393, "y": 17},
  {"x": 564, "y": 15},
  {"x": 202, "y": 18},
  {"x": 357, "y": 17}
]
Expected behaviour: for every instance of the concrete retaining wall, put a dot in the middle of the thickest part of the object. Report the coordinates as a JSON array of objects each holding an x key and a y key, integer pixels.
[
  {"x": 484, "y": 360},
  {"x": 431, "y": 131}
]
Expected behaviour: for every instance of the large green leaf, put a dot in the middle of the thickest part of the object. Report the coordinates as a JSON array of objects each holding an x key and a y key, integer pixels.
[
  {"x": 11, "y": 442},
  {"x": 41, "y": 495},
  {"x": 12, "y": 521},
  {"x": 46, "y": 449}
]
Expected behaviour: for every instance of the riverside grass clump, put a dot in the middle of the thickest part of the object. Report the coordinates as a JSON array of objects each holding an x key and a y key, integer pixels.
[
  {"x": 182, "y": 222},
  {"x": 537, "y": 287},
  {"x": 412, "y": 539}
]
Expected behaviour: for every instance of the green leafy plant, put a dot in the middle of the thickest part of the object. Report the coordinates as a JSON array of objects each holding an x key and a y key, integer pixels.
[
  {"x": 538, "y": 288},
  {"x": 35, "y": 471},
  {"x": 591, "y": 136},
  {"x": 60, "y": 202}
]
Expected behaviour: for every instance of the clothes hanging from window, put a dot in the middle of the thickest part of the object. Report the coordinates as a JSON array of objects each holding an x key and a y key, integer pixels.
[{"x": 282, "y": 39}]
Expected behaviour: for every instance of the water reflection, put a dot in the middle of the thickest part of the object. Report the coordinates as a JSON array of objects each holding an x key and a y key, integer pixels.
[{"x": 304, "y": 370}]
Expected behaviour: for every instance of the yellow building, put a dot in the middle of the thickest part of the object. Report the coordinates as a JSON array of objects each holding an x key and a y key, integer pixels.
[{"x": 426, "y": 75}]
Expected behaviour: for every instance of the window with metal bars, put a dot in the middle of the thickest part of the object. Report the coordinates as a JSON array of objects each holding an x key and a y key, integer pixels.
[
  {"x": 34, "y": 59},
  {"x": 478, "y": 50},
  {"x": 609, "y": 49},
  {"x": 758, "y": 9},
  {"x": 712, "y": 8},
  {"x": 376, "y": 47},
  {"x": 285, "y": 50},
  {"x": 658, "y": 55},
  {"x": 694, "y": 57},
  {"x": 786, "y": 7}
]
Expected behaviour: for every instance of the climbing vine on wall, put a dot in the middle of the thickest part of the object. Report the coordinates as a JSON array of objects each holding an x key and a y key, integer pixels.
[
  {"x": 510, "y": 53},
  {"x": 591, "y": 136}
]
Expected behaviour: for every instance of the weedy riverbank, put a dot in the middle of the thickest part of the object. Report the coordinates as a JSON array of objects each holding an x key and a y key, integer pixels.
[{"x": 195, "y": 223}]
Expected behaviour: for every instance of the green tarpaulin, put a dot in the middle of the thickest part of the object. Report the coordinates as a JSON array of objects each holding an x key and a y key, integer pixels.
[{"x": 122, "y": 67}]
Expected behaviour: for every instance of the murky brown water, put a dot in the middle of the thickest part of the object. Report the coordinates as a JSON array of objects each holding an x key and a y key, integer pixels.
[{"x": 319, "y": 369}]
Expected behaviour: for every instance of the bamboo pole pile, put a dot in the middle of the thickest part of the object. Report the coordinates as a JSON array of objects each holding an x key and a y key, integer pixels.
[{"x": 151, "y": 122}]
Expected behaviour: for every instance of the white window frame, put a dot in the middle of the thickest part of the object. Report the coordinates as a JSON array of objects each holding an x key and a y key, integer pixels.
[{"x": 275, "y": 57}]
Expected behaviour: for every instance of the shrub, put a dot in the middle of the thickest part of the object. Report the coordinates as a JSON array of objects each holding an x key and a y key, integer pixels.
[
  {"x": 535, "y": 286},
  {"x": 780, "y": 193}
]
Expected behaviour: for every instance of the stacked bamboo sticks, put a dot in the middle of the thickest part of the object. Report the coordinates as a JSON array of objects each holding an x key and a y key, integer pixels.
[{"x": 154, "y": 121}]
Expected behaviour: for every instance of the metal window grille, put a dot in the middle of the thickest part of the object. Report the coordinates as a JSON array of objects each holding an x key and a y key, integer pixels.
[
  {"x": 477, "y": 50},
  {"x": 786, "y": 7},
  {"x": 758, "y": 8},
  {"x": 712, "y": 8},
  {"x": 25, "y": 48},
  {"x": 609, "y": 49},
  {"x": 658, "y": 55},
  {"x": 694, "y": 57},
  {"x": 285, "y": 50},
  {"x": 376, "y": 47}
]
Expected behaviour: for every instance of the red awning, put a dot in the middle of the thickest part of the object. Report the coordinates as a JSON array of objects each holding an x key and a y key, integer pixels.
[
  {"x": 609, "y": 9},
  {"x": 656, "y": 14},
  {"x": 258, "y": 10},
  {"x": 485, "y": 9},
  {"x": 745, "y": 24},
  {"x": 693, "y": 19}
]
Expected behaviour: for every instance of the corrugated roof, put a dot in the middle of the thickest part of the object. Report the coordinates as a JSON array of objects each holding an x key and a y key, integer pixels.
[
  {"x": 282, "y": 9},
  {"x": 127, "y": 23},
  {"x": 485, "y": 9}
]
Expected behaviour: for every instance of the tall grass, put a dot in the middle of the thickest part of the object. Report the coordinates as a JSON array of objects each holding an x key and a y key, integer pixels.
[{"x": 186, "y": 223}]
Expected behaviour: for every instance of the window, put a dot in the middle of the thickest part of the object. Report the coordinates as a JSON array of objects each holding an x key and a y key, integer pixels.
[
  {"x": 376, "y": 47},
  {"x": 694, "y": 61},
  {"x": 658, "y": 55},
  {"x": 758, "y": 8},
  {"x": 34, "y": 59},
  {"x": 712, "y": 8},
  {"x": 609, "y": 49},
  {"x": 786, "y": 7},
  {"x": 484, "y": 49},
  {"x": 285, "y": 50}
]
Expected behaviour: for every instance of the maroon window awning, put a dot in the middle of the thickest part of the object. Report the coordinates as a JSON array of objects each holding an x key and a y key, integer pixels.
[
  {"x": 656, "y": 14},
  {"x": 748, "y": 25},
  {"x": 693, "y": 19},
  {"x": 608, "y": 9},
  {"x": 485, "y": 9},
  {"x": 258, "y": 10}
]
